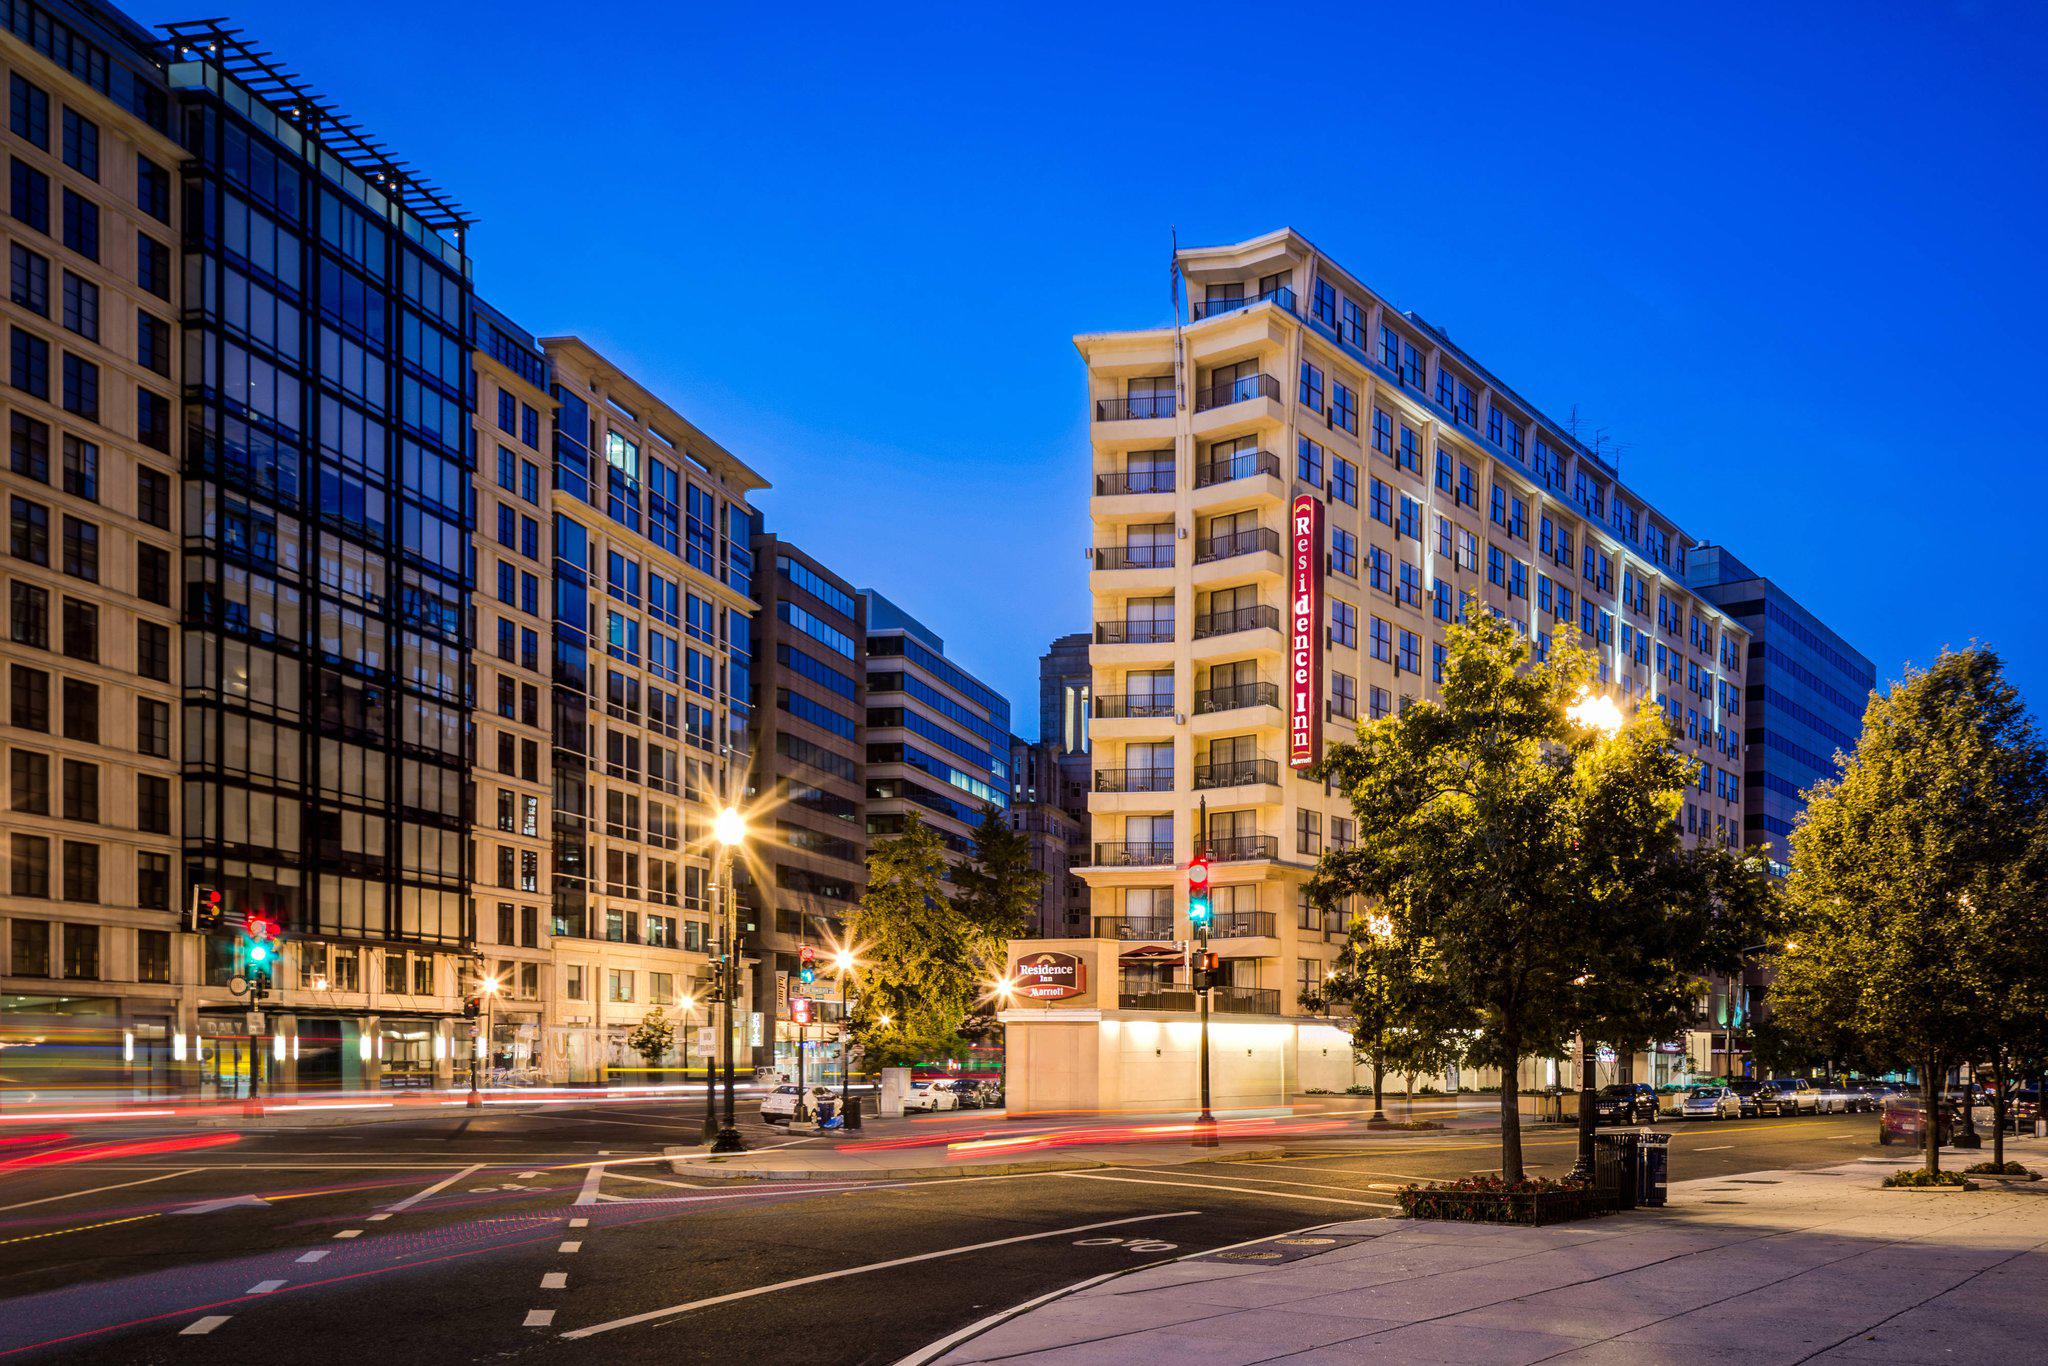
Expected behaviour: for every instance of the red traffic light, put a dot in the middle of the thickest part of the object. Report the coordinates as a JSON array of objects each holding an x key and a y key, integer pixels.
[
  {"x": 810, "y": 954},
  {"x": 1198, "y": 872},
  {"x": 260, "y": 929},
  {"x": 800, "y": 1009}
]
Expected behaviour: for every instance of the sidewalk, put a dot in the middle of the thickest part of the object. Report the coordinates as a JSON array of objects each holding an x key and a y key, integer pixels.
[{"x": 1767, "y": 1267}]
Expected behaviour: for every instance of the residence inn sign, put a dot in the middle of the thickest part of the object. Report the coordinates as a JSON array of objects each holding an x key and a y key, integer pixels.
[{"x": 1050, "y": 976}]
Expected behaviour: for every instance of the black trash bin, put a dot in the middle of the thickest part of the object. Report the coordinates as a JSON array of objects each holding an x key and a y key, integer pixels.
[
  {"x": 1653, "y": 1166},
  {"x": 1615, "y": 1168}
]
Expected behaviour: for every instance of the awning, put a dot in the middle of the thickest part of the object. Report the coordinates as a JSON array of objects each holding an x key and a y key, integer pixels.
[{"x": 1151, "y": 953}]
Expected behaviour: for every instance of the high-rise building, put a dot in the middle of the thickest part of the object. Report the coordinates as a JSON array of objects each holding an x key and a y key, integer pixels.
[
  {"x": 93, "y": 676},
  {"x": 653, "y": 654},
  {"x": 938, "y": 739},
  {"x": 1806, "y": 690},
  {"x": 1293, "y": 495},
  {"x": 809, "y": 756},
  {"x": 1051, "y": 812},
  {"x": 1066, "y": 681}
]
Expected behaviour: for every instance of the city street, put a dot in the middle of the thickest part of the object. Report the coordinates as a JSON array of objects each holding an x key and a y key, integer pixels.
[{"x": 565, "y": 1235}]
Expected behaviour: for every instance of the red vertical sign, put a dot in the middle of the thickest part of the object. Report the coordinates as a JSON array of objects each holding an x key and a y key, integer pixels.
[{"x": 1305, "y": 631}]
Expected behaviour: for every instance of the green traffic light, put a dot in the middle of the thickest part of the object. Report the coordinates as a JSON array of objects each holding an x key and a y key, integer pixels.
[
  {"x": 1198, "y": 910},
  {"x": 258, "y": 953}
]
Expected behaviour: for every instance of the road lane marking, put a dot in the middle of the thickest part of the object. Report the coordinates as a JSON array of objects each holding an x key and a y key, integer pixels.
[
  {"x": 201, "y": 1326},
  {"x": 100, "y": 1190},
  {"x": 1717, "y": 1148},
  {"x": 350, "y": 1233},
  {"x": 538, "y": 1318},
  {"x": 528, "y": 1176},
  {"x": 313, "y": 1256},
  {"x": 1234, "y": 1190},
  {"x": 758, "y": 1290},
  {"x": 1313, "y": 1185},
  {"x": 76, "y": 1228},
  {"x": 434, "y": 1189},
  {"x": 579, "y": 1223},
  {"x": 588, "y": 1195},
  {"x": 379, "y": 1218},
  {"x": 571, "y": 1246},
  {"x": 555, "y": 1280},
  {"x": 263, "y": 1287}
]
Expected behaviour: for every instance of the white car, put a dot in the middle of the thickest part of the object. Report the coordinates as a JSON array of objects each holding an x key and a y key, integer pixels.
[
  {"x": 926, "y": 1095},
  {"x": 1710, "y": 1102},
  {"x": 779, "y": 1105}
]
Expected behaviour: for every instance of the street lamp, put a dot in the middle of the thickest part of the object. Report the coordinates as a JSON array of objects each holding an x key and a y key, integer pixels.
[
  {"x": 1595, "y": 712},
  {"x": 842, "y": 964},
  {"x": 729, "y": 828},
  {"x": 685, "y": 1004}
]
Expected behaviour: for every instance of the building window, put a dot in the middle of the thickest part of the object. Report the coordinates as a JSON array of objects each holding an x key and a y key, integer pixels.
[
  {"x": 81, "y": 872},
  {"x": 29, "y": 947},
  {"x": 153, "y": 885},
  {"x": 619, "y": 984},
  {"x": 152, "y": 955},
  {"x": 82, "y": 953},
  {"x": 29, "y": 856}
]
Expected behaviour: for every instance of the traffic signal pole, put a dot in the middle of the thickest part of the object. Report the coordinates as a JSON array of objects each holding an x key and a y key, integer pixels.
[
  {"x": 728, "y": 1138},
  {"x": 1200, "y": 914}
]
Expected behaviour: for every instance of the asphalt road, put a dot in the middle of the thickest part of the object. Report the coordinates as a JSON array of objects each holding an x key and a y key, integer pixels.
[{"x": 546, "y": 1236}]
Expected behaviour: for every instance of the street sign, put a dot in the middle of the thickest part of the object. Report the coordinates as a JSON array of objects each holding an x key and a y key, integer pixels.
[
  {"x": 1051, "y": 976},
  {"x": 707, "y": 1037},
  {"x": 253, "y": 1022},
  {"x": 238, "y": 984}
]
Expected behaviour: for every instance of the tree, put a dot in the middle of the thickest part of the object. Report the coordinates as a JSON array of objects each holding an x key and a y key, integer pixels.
[
  {"x": 996, "y": 891},
  {"x": 917, "y": 975},
  {"x": 652, "y": 1037},
  {"x": 1403, "y": 1014},
  {"x": 1538, "y": 854},
  {"x": 1915, "y": 888}
]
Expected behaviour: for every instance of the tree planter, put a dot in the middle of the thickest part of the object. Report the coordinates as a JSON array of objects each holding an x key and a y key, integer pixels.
[
  {"x": 1554, "y": 1206},
  {"x": 1933, "y": 1190}
]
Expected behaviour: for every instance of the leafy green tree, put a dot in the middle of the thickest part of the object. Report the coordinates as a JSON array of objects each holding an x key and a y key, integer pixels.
[
  {"x": 917, "y": 975},
  {"x": 652, "y": 1037},
  {"x": 1537, "y": 852},
  {"x": 1403, "y": 1014},
  {"x": 996, "y": 891},
  {"x": 1917, "y": 920}
]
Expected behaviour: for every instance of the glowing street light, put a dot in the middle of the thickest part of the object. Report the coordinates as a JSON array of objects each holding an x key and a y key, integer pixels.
[
  {"x": 1595, "y": 711},
  {"x": 729, "y": 827}
]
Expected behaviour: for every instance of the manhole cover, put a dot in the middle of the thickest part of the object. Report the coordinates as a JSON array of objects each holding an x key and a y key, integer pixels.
[{"x": 1305, "y": 1242}]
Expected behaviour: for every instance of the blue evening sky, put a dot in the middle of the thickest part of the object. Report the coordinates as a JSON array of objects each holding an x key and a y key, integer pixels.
[{"x": 1787, "y": 256}]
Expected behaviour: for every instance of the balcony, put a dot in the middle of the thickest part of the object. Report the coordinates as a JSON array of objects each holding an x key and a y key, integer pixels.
[
  {"x": 1244, "y": 465},
  {"x": 1229, "y": 623},
  {"x": 1243, "y": 773},
  {"x": 1130, "y": 928},
  {"x": 1244, "y": 848},
  {"x": 1222, "y": 1000},
  {"x": 1135, "y": 407},
  {"x": 1252, "y": 542},
  {"x": 1244, "y": 925},
  {"x": 1216, "y": 308},
  {"x": 1123, "y": 854},
  {"x": 1134, "y": 556},
  {"x": 1234, "y": 391},
  {"x": 1231, "y": 699},
  {"x": 1118, "y": 706},
  {"x": 1118, "y": 482},
  {"x": 1134, "y": 780},
  {"x": 1144, "y": 632}
]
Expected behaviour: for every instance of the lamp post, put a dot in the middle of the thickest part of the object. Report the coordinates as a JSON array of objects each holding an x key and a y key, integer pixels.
[
  {"x": 686, "y": 1004},
  {"x": 1595, "y": 712},
  {"x": 842, "y": 962},
  {"x": 730, "y": 830}
]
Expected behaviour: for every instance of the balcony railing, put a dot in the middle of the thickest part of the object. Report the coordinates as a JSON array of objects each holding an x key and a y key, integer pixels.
[
  {"x": 1135, "y": 481},
  {"x": 1240, "y": 774},
  {"x": 1131, "y": 927},
  {"x": 1141, "y": 632},
  {"x": 1242, "y": 619},
  {"x": 1241, "y": 466},
  {"x": 1134, "y": 556},
  {"x": 1235, "y": 391},
  {"x": 1134, "y": 407},
  {"x": 1230, "y": 699},
  {"x": 1222, "y": 1000},
  {"x": 1124, "y": 854},
  {"x": 1134, "y": 780},
  {"x": 1116, "y": 706},
  {"x": 1250, "y": 542},
  {"x": 1216, "y": 308},
  {"x": 1244, "y": 848},
  {"x": 1244, "y": 925}
]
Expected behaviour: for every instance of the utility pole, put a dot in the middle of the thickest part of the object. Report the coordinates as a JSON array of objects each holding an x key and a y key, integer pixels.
[
  {"x": 731, "y": 829},
  {"x": 1201, "y": 911}
]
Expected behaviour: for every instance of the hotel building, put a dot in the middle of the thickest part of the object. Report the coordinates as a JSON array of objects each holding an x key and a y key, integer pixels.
[{"x": 1296, "y": 417}]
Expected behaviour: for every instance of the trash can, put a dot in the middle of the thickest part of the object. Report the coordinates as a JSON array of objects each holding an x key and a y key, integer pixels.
[
  {"x": 1653, "y": 1167},
  {"x": 853, "y": 1112},
  {"x": 1615, "y": 1169}
]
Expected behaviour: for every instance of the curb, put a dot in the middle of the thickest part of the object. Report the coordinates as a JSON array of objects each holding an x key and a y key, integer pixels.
[{"x": 681, "y": 1163}]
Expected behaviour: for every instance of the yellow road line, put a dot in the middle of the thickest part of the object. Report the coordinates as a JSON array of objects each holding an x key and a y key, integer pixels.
[{"x": 81, "y": 1228}]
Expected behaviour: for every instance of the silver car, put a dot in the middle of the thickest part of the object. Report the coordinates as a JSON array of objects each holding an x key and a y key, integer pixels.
[{"x": 1710, "y": 1102}]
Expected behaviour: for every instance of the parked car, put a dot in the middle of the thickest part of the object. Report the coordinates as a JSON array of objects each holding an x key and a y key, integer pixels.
[
  {"x": 1787, "y": 1096},
  {"x": 1830, "y": 1098},
  {"x": 930, "y": 1095},
  {"x": 967, "y": 1092},
  {"x": 1745, "y": 1089},
  {"x": 1863, "y": 1096},
  {"x": 1902, "y": 1119},
  {"x": 1625, "y": 1102},
  {"x": 1710, "y": 1102},
  {"x": 779, "y": 1105}
]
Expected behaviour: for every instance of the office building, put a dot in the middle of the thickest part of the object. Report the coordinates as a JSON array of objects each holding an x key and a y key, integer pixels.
[
  {"x": 1051, "y": 812},
  {"x": 1299, "y": 422},
  {"x": 653, "y": 656},
  {"x": 938, "y": 739},
  {"x": 809, "y": 755},
  {"x": 91, "y": 727},
  {"x": 1805, "y": 691}
]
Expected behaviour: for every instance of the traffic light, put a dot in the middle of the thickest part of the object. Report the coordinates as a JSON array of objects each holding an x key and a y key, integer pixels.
[
  {"x": 261, "y": 945},
  {"x": 809, "y": 971},
  {"x": 1206, "y": 968},
  {"x": 1200, "y": 912},
  {"x": 472, "y": 1007},
  {"x": 207, "y": 905},
  {"x": 800, "y": 1010}
]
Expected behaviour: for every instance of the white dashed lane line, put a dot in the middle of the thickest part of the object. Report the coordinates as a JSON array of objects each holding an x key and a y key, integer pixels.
[
  {"x": 313, "y": 1256},
  {"x": 350, "y": 1233},
  {"x": 263, "y": 1287},
  {"x": 555, "y": 1280},
  {"x": 539, "y": 1318},
  {"x": 199, "y": 1327},
  {"x": 570, "y": 1247},
  {"x": 579, "y": 1223}
]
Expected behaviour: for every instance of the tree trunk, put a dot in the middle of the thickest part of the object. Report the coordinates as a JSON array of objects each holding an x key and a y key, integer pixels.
[
  {"x": 1998, "y": 1108},
  {"x": 1930, "y": 1125},
  {"x": 1511, "y": 1112},
  {"x": 1378, "y": 1077}
]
